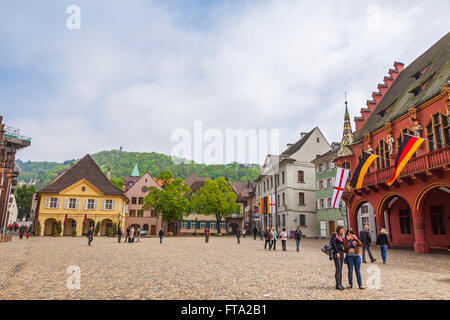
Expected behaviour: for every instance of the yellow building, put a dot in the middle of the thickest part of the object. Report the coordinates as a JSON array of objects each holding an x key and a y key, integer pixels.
[{"x": 80, "y": 197}]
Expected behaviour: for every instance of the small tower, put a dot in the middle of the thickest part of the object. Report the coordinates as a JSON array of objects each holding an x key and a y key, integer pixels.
[
  {"x": 347, "y": 136},
  {"x": 135, "y": 172}
]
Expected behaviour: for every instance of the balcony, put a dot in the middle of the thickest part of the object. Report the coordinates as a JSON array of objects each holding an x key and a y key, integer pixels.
[
  {"x": 15, "y": 133},
  {"x": 425, "y": 163}
]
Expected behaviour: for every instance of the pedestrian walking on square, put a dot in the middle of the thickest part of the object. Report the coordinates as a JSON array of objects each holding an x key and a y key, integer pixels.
[
  {"x": 119, "y": 235},
  {"x": 206, "y": 235},
  {"x": 90, "y": 235},
  {"x": 161, "y": 235},
  {"x": 274, "y": 238},
  {"x": 382, "y": 241},
  {"x": 337, "y": 243},
  {"x": 283, "y": 236},
  {"x": 261, "y": 234},
  {"x": 352, "y": 247},
  {"x": 28, "y": 232},
  {"x": 255, "y": 232},
  {"x": 298, "y": 236},
  {"x": 139, "y": 233},
  {"x": 127, "y": 238},
  {"x": 131, "y": 239},
  {"x": 267, "y": 237},
  {"x": 21, "y": 232},
  {"x": 244, "y": 232},
  {"x": 238, "y": 236},
  {"x": 365, "y": 238}
]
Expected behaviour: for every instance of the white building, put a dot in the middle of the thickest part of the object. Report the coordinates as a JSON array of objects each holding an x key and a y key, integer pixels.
[
  {"x": 12, "y": 210},
  {"x": 290, "y": 178}
]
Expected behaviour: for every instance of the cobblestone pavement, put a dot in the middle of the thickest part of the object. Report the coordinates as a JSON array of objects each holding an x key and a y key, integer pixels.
[{"x": 187, "y": 268}]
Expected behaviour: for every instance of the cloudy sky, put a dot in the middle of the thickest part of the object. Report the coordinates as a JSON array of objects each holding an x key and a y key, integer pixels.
[{"x": 138, "y": 70}]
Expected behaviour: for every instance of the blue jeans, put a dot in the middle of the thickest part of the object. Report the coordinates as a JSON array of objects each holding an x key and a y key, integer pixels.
[
  {"x": 297, "y": 241},
  {"x": 160, "y": 239},
  {"x": 354, "y": 261},
  {"x": 383, "y": 252}
]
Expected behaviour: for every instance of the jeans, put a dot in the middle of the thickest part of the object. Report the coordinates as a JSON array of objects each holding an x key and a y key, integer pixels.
[
  {"x": 354, "y": 261},
  {"x": 297, "y": 241},
  {"x": 90, "y": 240},
  {"x": 338, "y": 263},
  {"x": 206, "y": 239},
  {"x": 283, "y": 244},
  {"x": 383, "y": 249},
  {"x": 160, "y": 239},
  {"x": 238, "y": 239},
  {"x": 274, "y": 243},
  {"x": 267, "y": 242},
  {"x": 119, "y": 237},
  {"x": 364, "y": 248}
]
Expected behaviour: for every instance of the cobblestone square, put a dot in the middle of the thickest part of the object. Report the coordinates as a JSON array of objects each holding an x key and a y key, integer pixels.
[{"x": 188, "y": 268}]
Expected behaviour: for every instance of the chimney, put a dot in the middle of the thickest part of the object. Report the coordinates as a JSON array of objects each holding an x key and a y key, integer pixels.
[
  {"x": 303, "y": 134},
  {"x": 289, "y": 145},
  {"x": 108, "y": 174}
]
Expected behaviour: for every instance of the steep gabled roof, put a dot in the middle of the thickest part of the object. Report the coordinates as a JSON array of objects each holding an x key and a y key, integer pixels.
[
  {"x": 87, "y": 169},
  {"x": 411, "y": 87},
  {"x": 298, "y": 145}
]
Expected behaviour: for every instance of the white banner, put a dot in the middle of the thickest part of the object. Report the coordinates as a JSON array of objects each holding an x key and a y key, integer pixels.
[{"x": 340, "y": 181}]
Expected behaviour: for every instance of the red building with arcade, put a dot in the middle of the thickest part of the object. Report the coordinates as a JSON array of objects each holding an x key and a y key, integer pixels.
[{"x": 414, "y": 100}]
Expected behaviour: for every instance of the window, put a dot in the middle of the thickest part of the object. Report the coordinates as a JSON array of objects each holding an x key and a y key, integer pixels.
[
  {"x": 223, "y": 225},
  {"x": 264, "y": 185},
  {"x": 320, "y": 184},
  {"x": 438, "y": 220},
  {"x": 202, "y": 224},
  {"x": 108, "y": 205},
  {"x": 278, "y": 200},
  {"x": 383, "y": 155},
  {"x": 271, "y": 182},
  {"x": 152, "y": 213},
  {"x": 364, "y": 209},
  {"x": 72, "y": 203},
  {"x": 327, "y": 166},
  {"x": 145, "y": 227},
  {"x": 53, "y": 203},
  {"x": 278, "y": 221},
  {"x": 322, "y": 203},
  {"x": 302, "y": 220},
  {"x": 301, "y": 176},
  {"x": 284, "y": 220},
  {"x": 282, "y": 178},
  {"x": 438, "y": 132},
  {"x": 184, "y": 224},
  {"x": 329, "y": 183},
  {"x": 301, "y": 199},
  {"x": 212, "y": 225},
  {"x": 141, "y": 200},
  {"x": 284, "y": 199},
  {"x": 193, "y": 224},
  {"x": 91, "y": 204},
  {"x": 140, "y": 213},
  {"x": 329, "y": 202},
  {"x": 405, "y": 221},
  {"x": 133, "y": 200},
  {"x": 318, "y": 140},
  {"x": 132, "y": 213}
]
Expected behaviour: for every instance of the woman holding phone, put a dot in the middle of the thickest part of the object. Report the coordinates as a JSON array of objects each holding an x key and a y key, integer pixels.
[{"x": 352, "y": 248}]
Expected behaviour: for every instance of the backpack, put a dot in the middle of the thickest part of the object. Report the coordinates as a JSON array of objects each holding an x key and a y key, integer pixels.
[{"x": 328, "y": 250}]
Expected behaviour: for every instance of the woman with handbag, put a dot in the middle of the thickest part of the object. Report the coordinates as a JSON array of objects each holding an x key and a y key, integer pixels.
[
  {"x": 337, "y": 243},
  {"x": 352, "y": 247}
]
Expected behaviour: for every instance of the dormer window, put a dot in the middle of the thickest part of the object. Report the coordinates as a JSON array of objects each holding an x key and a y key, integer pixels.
[
  {"x": 416, "y": 91},
  {"x": 416, "y": 76}
]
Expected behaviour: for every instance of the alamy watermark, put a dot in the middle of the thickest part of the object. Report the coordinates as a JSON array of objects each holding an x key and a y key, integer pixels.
[
  {"x": 215, "y": 146},
  {"x": 74, "y": 280},
  {"x": 73, "y": 22}
]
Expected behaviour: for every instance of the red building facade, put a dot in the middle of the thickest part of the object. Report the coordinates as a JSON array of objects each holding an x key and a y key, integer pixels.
[{"x": 415, "y": 100}]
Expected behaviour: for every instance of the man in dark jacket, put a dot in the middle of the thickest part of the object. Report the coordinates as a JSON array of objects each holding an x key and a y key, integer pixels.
[
  {"x": 238, "y": 236},
  {"x": 298, "y": 236},
  {"x": 255, "y": 232},
  {"x": 267, "y": 237},
  {"x": 90, "y": 235},
  {"x": 365, "y": 238},
  {"x": 119, "y": 234},
  {"x": 161, "y": 235}
]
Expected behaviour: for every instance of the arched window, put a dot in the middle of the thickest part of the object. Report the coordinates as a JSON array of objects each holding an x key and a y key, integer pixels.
[{"x": 145, "y": 227}]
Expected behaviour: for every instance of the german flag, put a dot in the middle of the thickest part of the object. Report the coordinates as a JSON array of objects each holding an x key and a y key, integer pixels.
[
  {"x": 409, "y": 145},
  {"x": 360, "y": 172},
  {"x": 261, "y": 205}
]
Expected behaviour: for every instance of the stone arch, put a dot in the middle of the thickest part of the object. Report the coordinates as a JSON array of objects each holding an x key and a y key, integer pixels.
[
  {"x": 69, "y": 227},
  {"x": 422, "y": 193},
  {"x": 89, "y": 223},
  {"x": 105, "y": 225},
  {"x": 49, "y": 225}
]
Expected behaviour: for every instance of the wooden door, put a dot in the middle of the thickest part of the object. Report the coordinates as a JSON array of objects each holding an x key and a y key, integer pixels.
[{"x": 332, "y": 227}]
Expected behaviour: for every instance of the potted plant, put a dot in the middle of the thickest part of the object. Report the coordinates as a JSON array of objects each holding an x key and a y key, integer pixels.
[
  {"x": 115, "y": 228},
  {"x": 55, "y": 232},
  {"x": 74, "y": 233},
  {"x": 97, "y": 228},
  {"x": 58, "y": 227},
  {"x": 109, "y": 232}
]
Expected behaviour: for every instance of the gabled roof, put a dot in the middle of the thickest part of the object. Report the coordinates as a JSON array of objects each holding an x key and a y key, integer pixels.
[
  {"x": 87, "y": 169},
  {"x": 330, "y": 154},
  {"x": 193, "y": 178},
  {"x": 435, "y": 64},
  {"x": 298, "y": 145},
  {"x": 135, "y": 180}
]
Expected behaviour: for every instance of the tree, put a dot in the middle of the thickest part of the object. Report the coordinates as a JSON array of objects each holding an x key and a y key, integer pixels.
[
  {"x": 172, "y": 201},
  {"x": 118, "y": 183},
  {"x": 115, "y": 228},
  {"x": 24, "y": 198},
  {"x": 58, "y": 227},
  {"x": 215, "y": 197},
  {"x": 97, "y": 228}
]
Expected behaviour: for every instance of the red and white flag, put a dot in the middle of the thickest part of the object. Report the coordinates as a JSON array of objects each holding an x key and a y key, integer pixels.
[
  {"x": 339, "y": 186},
  {"x": 271, "y": 204}
]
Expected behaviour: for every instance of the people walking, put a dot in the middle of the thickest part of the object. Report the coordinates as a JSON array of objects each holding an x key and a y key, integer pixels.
[
  {"x": 366, "y": 239},
  {"x": 90, "y": 235},
  {"x": 283, "y": 236},
  {"x": 127, "y": 239},
  {"x": 119, "y": 235},
  {"x": 337, "y": 243},
  {"x": 274, "y": 238},
  {"x": 267, "y": 237},
  {"x": 352, "y": 247},
  {"x": 21, "y": 232},
  {"x": 261, "y": 234},
  {"x": 139, "y": 233},
  {"x": 238, "y": 236},
  {"x": 161, "y": 235},
  {"x": 382, "y": 241},
  {"x": 131, "y": 239},
  {"x": 298, "y": 236},
  {"x": 28, "y": 232},
  {"x": 244, "y": 232},
  {"x": 206, "y": 235},
  {"x": 255, "y": 232}
]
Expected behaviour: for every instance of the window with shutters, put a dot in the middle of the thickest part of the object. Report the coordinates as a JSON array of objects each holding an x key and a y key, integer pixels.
[
  {"x": 140, "y": 213},
  {"x": 132, "y": 213},
  {"x": 53, "y": 203},
  {"x": 72, "y": 203},
  {"x": 322, "y": 203},
  {"x": 108, "y": 205},
  {"x": 284, "y": 199},
  {"x": 184, "y": 224},
  {"x": 212, "y": 225},
  {"x": 202, "y": 224},
  {"x": 223, "y": 225},
  {"x": 133, "y": 200},
  {"x": 301, "y": 199},
  {"x": 91, "y": 204},
  {"x": 383, "y": 155},
  {"x": 301, "y": 176},
  {"x": 193, "y": 224},
  {"x": 320, "y": 184},
  {"x": 329, "y": 202}
]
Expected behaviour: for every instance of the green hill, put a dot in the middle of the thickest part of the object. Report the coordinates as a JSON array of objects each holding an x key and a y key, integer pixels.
[{"x": 122, "y": 163}]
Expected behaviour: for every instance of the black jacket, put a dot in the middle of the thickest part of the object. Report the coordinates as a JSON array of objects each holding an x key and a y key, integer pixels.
[
  {"x": 382, "y": 239},
  {"x": 337, "y": 245},
  {"x": 161, "y": 233},
  {"x": 298, "y": 234},
  {"x": 365, "y": 238}
]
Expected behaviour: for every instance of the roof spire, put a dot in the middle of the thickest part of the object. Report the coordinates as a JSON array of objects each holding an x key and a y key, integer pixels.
[
  {"x": 347, "y": 135},
  {"x": 135, "y": 172}
]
